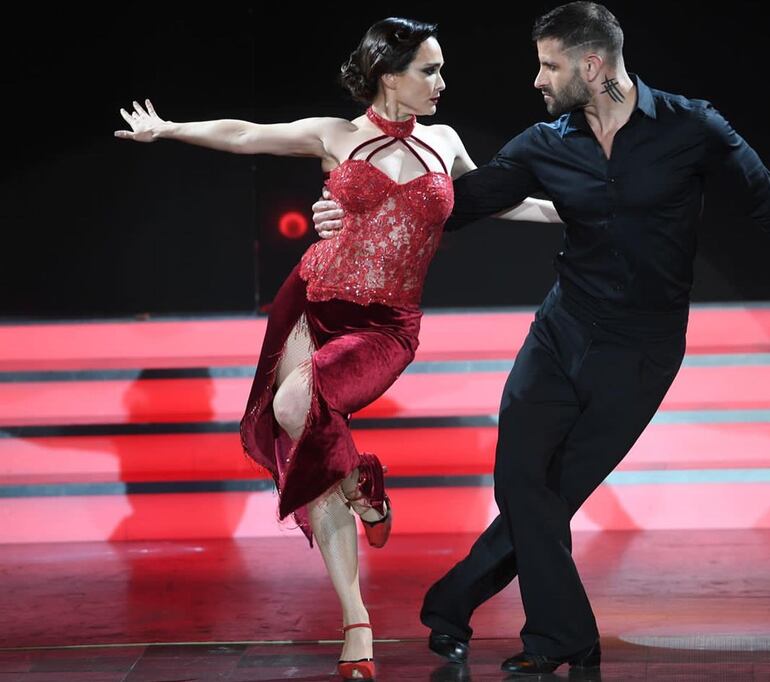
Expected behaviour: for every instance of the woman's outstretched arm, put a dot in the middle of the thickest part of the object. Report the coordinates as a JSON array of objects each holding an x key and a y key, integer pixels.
[{"x": 305, "y": 137}]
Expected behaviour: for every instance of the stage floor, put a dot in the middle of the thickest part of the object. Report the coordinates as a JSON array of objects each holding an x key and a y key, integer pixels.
[{"x": 671, "y": 605}]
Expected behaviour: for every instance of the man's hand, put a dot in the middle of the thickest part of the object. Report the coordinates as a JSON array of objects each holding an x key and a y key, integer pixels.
[{"x": 327, "y": 216}]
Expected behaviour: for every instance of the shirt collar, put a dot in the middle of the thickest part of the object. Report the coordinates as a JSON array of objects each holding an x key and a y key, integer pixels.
[{"x": 576, "y": 120}]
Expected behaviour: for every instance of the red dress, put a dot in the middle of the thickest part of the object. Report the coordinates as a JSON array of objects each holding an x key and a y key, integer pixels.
[{"x": 360, "y": 294}]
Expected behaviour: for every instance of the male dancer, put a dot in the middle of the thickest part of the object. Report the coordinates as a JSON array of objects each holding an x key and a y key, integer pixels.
[{"x": 624, "y": 165}]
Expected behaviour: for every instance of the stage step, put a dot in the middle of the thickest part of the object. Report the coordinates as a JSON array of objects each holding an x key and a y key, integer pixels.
[{"x": 129, "y": 430}]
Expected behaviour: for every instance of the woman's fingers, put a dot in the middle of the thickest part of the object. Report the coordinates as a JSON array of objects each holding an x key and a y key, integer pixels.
[{"x": 127, "y": 117}]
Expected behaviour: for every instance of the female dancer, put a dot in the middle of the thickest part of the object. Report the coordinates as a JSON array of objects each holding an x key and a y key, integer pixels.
[{"x": 344, "y": 324}]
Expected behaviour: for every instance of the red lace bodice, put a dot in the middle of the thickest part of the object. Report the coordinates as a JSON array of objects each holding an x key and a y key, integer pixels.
[{"x": 390, "y": 230}]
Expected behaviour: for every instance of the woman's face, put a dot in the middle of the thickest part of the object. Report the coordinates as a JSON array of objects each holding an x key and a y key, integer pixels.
[{"x": 418, "y": 89}]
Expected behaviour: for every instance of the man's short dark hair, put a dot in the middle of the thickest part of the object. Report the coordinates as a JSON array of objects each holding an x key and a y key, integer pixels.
[{"x": 581, "y": 23}]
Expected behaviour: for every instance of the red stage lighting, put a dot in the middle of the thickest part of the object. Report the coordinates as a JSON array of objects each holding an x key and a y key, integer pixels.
[{"x": 293, "y": 225}]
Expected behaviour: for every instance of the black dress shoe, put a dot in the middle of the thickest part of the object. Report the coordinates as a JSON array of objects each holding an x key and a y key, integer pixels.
[
  {"x": 538, "y": 664},
  {"x": 448, "y": 646}
]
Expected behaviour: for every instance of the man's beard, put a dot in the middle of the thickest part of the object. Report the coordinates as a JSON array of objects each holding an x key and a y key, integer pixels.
[{"x": 574, "y": 95}]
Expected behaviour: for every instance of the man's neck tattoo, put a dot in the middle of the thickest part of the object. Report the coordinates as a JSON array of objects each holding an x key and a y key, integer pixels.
[{"x": 611, "y": 88}]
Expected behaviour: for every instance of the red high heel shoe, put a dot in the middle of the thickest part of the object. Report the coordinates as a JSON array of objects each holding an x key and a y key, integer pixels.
[
  {"x": 371, "y": 495},
  {"x": 363, "y": 666},
  {"x": 378, "y": 532}
]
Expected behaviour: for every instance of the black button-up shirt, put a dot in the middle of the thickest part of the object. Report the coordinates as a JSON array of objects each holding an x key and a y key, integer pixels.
[{"x": 629, "y": 240}]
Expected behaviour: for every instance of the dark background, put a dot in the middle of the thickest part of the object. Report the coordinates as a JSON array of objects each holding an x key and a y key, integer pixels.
[{"x": 96, "y": 227}]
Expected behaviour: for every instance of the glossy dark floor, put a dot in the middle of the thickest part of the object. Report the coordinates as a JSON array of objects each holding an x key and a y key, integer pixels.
[{"x": 672, "y": 605}]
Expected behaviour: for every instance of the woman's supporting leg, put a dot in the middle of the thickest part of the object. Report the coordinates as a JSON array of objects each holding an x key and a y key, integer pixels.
[
  {"x": 334, "y": 528},
  {"x": 333, "y": 525}
]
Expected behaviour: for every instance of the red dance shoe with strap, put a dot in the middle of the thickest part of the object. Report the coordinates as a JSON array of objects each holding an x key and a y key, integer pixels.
[
  {"x": 370, "y": 494},
  {"x": 363, "y": 669}
]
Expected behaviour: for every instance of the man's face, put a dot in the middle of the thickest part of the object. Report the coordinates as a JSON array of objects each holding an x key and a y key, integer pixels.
[{"x": 559, "y": 78}]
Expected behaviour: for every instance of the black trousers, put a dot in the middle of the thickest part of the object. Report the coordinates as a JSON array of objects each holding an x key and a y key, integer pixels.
[{"x": 579, "y": 395}]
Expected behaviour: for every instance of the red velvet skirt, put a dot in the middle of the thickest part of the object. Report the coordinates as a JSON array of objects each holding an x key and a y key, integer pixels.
[{"x": 360, "y": 352}]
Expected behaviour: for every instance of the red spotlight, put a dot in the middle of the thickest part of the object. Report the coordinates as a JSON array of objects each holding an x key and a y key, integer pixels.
[{"x": 293, "y": 225}]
